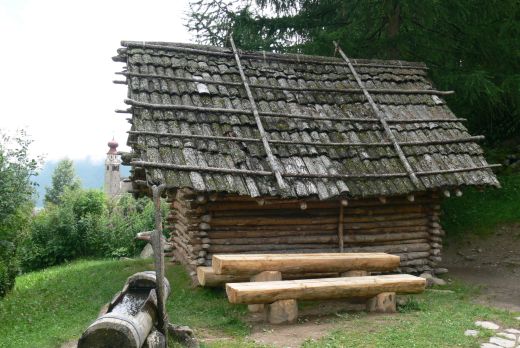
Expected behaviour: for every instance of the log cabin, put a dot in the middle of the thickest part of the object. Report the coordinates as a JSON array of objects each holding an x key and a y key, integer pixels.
[{"x": 275, "y": 153}]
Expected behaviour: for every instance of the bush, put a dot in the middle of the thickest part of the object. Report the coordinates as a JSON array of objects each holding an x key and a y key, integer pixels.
[
  {"x": 16, "y": 193},
  {"x": 86, "y": 224},
  {"x": 62, "y": 232},
  {"x": 8, "y": 266}
]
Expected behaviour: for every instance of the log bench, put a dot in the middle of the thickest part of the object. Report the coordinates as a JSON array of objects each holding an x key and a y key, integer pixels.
[
  {"x": 256, "y": 280},
  {"x": 242, "y": 267},
  {"x": 250, "y": 264},
  {"x": 281, "y": 296}
]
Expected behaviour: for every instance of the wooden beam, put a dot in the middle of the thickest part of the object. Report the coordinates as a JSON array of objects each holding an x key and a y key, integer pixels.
[
  {"x": 275, "y": 167},
  {"x": 323, "y": 289},
  {"x": 341, "y": 226},
  {"x": 208, "y": 278},
  {"x": 303, "y": 263},
  {"x": 337, "y": 118},
  {"x": 309, "y": 143},
  {"x": 286, "y": 88},
  {"x": 382, "y": 118},
  {"x": 290, "y": 58}
]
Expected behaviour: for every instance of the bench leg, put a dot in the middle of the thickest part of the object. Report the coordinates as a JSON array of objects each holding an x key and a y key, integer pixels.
[
  {"x": 263, "y": 277},
  {"x": 283, "y": 311},
  {"x": 354, "y": 274},
  {"x": 382, "y": 303}
]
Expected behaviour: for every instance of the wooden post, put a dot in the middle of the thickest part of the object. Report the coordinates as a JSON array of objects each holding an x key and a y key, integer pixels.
[
  {"x": 157, "y": 244},
  {"x": 263, "y": 277},
  {"x": 340, "y": 228}
]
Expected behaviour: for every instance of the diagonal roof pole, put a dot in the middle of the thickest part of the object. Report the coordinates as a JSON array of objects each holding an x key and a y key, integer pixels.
[
  {"x": 263, "y": 135},
  {"x": 382, "y": 118}
]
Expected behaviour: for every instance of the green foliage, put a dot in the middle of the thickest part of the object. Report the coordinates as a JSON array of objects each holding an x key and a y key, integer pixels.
[
  {"x": 86, "y": 224},
  {"x": 64, "y": 178},
  {"x": 17, "y": 168},
  {"x": 8, "y": 266},
  {"x": 65, "y": 231},
  {"x": 480, "y": 212},
  {"x": 410, "y": 305},
  {"x": 470, "y": 46}
]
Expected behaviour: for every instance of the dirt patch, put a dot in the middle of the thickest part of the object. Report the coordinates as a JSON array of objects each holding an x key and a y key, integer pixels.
[
  {"x": 70, "y": 344},
  {"x": 492, "y": 262},
  {"x": 315, "y": 320}
]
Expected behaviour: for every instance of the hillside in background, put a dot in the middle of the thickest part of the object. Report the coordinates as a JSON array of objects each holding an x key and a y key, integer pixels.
[{"x": 91, "y": 175}]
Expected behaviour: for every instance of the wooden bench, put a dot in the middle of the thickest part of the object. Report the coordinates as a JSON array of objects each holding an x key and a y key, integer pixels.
[
  {"x": 250, "y": 264},
  {"x": 267, "y": 292},
  {"x": 281, "y": 296},
  {"x": 241, "y": 267}
]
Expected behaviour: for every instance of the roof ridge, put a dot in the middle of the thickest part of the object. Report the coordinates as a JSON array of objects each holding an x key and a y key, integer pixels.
[{"x": 262, "y": 54}]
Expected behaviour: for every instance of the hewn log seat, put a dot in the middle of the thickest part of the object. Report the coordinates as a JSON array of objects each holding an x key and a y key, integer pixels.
[
  {"x": 322, "y": 289},
  {"x": 207, "y": 277},
  {"x": 250, "y": 264}
]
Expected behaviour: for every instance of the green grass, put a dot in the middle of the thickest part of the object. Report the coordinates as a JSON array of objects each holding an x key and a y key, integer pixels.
[
  {"x": 480, "y": 212},
  {"x": 434, "y": 320},
  {"x": 55, "y": 305}
]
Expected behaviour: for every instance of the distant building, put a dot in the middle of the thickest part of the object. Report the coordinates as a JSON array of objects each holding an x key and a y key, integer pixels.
[{"x": 114, "y": 184}]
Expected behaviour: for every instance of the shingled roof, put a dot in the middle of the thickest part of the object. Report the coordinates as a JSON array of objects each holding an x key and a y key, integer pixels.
[{"x": 307, "y": 127}]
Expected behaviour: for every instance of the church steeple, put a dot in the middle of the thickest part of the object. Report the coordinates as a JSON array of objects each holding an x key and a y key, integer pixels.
[{"x": 112, "y": 174}]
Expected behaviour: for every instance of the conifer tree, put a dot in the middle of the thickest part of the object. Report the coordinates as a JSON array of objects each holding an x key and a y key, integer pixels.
[{"x": 470, "y": 46}]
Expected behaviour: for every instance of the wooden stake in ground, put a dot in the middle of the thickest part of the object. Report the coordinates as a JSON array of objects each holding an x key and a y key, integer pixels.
[{"x": 158, "y": 247}]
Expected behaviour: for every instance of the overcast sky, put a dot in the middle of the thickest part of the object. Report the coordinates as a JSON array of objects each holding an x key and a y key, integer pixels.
[{"x": 57, "y": 70}]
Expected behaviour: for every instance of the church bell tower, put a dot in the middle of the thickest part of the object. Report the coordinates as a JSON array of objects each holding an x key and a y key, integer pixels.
[{"x": 112, "y": 167}]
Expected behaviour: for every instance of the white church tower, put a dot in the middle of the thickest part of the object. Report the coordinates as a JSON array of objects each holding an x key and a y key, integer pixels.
[{"x": 112, "y": 174}]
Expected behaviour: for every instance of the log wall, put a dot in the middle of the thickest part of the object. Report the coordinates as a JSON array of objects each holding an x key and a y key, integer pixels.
[{"x": 203, "y": 225}]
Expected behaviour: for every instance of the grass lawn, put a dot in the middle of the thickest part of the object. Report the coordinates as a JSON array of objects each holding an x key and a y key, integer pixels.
[
  {"x": 480, "y": 212},
  {"x": 55, "y": 305}
]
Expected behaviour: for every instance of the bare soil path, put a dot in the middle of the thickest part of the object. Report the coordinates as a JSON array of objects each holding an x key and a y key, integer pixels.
[{"x": 492, "y": 262}]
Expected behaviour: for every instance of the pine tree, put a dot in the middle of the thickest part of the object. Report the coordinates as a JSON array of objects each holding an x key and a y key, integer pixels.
[
  {"x": 470, "y": 46},
  {"x": 63, "y": 178}
]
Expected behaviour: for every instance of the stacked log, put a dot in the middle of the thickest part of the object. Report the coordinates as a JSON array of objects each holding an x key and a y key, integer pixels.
[
  {"x": 436, "y": 234},
  {"x": 188, "y": 225},
  {"x": 225, "y": 224}
]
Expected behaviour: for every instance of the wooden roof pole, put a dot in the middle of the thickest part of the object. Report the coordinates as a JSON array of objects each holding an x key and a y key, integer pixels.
[
  {"x": 284, "y": 88},
  {"x": 263, "y": 135},
  {"x": 310, "y": 143},
  {"x": 382, "y": 118},
  {"x": 136, "y": 103}
]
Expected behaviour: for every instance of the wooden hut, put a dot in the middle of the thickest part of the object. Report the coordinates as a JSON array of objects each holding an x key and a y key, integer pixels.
[{"x": 275, "y": 153}]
